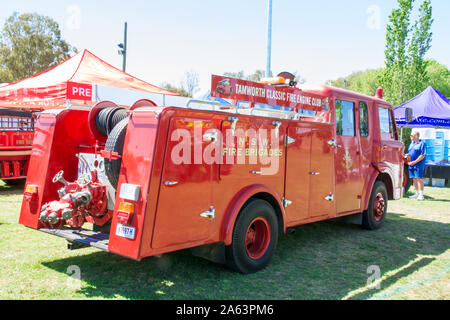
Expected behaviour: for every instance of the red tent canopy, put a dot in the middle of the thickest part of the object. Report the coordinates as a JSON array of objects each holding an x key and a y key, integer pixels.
[{"x": 73, "y": 79}]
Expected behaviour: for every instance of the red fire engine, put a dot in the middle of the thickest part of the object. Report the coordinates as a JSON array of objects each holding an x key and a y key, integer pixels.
[
  {"x": 225, "y": 180},
  {"x": 16, "y": 138}
]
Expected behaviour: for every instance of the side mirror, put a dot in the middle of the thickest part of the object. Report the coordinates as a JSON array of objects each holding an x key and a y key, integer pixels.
[{"x": 408, "y": 115}]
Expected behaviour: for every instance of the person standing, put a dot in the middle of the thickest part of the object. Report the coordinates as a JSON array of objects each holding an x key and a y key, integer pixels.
[{"x": 417, "y": 151}]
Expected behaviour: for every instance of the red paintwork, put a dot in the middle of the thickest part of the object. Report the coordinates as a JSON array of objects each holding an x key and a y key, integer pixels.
[
  {"x": 379, "y": 205},
  {"x": 167, "y": 216},
  {"x": 15, "y": 149},
  {"x": 257, "y": 238},
  {"x": 81, "y": 200}
]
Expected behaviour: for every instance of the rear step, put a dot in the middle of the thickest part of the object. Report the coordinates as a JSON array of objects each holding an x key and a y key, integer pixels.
[{"x": 82, "y": 238}]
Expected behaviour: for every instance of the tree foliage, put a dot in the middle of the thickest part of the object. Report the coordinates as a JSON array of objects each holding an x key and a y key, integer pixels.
[
  {"x": 30, "y": 44},
  {"x": 439, "y": 77},
  {"x": 180, "y": 90},
  {"x": 365, "y": 82},
  {"x": 405, "y": 75},
  {"x": 190, "y": 82}
]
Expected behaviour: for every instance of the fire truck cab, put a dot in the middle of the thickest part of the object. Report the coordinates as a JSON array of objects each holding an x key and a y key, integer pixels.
[{"x": 221, "y": 179}]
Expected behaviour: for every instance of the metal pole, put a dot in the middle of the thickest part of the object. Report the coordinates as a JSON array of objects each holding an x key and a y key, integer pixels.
[
  {"x": 269, "y": 38},
  {"x": 125, "y": 49}
]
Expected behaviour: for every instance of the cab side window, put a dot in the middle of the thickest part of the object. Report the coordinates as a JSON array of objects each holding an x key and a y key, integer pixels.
[
  {"x": 345, "y": 118},
  {"x": 363, "y": 120},
  {"x": 386, "y": 124}
]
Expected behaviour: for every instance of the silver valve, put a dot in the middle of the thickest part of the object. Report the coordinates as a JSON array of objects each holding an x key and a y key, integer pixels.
[{"x": 59, "y": 177}]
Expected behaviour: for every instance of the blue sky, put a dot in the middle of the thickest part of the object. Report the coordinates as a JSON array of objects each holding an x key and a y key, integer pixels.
[{"x": 320, "y": 39}]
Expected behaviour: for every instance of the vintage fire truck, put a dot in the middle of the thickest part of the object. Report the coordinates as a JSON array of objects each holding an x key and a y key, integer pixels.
[
  {"x": 16, "y": 138},
  {"x": 222, "y": 179}
]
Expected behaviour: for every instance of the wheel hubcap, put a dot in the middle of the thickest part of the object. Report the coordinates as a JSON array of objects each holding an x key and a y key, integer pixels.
[
  {"x": 379, "y": 206},
  {"x": 257, "y": 238}
]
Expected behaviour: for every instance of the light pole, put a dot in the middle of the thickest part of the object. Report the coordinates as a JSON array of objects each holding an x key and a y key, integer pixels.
[
  {"x": 123, "y": 48},
  {"x": 269, "y": 37}
]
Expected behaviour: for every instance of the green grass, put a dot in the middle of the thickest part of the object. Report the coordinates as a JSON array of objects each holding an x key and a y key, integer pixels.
[{"x": 326, "y": 260}]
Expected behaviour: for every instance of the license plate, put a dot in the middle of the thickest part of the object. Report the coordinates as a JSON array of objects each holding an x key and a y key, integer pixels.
[{"x": 126, "y": 232}]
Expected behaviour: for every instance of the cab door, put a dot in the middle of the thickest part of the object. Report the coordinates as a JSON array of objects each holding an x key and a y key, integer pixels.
[
  {"x": 185, "y": 210},
  {"x": 298, "y": 177},
  {"x": 391, "y": 148},
  {"x": 309, "y": 172},
  {"x": 347, "y": 158},
  {"x": 322, "y": 186}
]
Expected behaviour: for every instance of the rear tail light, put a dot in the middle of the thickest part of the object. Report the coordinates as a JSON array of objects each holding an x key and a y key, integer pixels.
[
  {"x": 125, "y": 213},
  {"x": 31, "y": 192}
]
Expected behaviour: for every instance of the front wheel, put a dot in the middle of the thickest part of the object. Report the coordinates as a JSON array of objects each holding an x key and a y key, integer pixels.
[
  {"x": 374, "y": 216},
  {"x": 255, "y": 237}
]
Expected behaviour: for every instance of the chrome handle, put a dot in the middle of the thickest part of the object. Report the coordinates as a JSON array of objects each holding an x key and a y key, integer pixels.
[
  {"x": 333, "y": 143},
  {"x": 315, "y": 173},
  {"x": 209, "y": 214},
  {"x": 170, "y": 183},
  {"x": 210, "y": 136},
  {"x": 277, "y": 125},
  {"x": 255, "y": 172},
  {"x": 329, "y": 197}
]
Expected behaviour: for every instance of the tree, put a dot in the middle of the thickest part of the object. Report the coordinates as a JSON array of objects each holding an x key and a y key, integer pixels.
[
  {"x": 30, "y": 44},
  {"x": 190, "y": 82},
  {"x": 405, "y": 74},
  {"x": 365, "y": 82},
  {"x": 180, "y": 90},
  {"x": 439, "y": 77}
]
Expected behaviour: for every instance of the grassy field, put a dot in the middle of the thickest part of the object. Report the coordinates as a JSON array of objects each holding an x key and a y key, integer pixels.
[{"x": 327, "y": 260}]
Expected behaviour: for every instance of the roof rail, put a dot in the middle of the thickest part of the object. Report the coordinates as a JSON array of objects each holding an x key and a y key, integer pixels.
[{"x": 224, "y": 106}]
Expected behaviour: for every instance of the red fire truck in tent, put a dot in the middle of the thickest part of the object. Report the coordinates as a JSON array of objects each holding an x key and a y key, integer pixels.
[
  {"x": 74, "y": 82},
  {"x": 225, "y": 180}
]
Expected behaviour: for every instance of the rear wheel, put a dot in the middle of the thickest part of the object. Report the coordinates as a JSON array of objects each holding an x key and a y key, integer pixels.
[
  {"x": 374, "y": 216},
  {"x": 255, "y": 237}
]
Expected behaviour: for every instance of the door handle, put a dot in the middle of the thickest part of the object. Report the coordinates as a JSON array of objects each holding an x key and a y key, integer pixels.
[
  {"x": 209, "y": 214},
  {"x": 333, "y": 143},
  {"x": 170, "y": 183},
  {"x": 212, "y": 136}
]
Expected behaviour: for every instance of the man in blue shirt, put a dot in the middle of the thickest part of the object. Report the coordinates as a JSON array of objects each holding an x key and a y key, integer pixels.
[{"x": 418, "y": 151}]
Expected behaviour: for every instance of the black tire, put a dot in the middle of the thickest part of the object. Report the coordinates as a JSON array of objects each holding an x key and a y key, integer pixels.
[
  {"x": 373, "y": 218},
  {"x": 115, "y": 143},
  {"x": 256, "y": 213}
]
